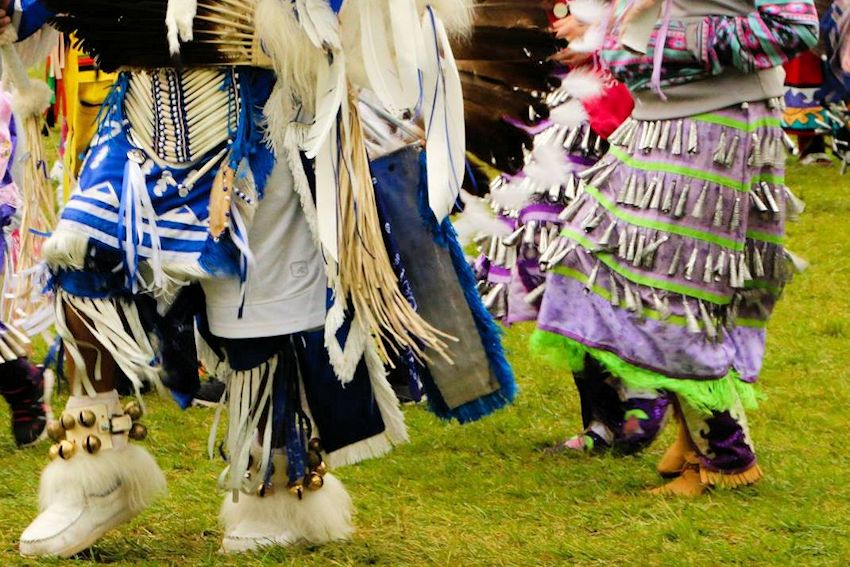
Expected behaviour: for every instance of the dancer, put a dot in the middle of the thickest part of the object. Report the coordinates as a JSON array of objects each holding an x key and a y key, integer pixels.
[
  {"x": 21, "y": 383},
  {"x": 672, "y": 257},
  {"x": 200, "y": 172}
]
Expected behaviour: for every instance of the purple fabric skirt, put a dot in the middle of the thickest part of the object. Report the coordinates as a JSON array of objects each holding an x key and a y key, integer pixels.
[{"x": 672, "y": 255}]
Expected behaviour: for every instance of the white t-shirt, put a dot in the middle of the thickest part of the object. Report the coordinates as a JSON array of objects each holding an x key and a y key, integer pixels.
[{"x": 286, "y": 287}]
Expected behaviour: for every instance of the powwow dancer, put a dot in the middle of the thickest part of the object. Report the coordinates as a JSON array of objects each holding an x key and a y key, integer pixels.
[
  {"x": 672, "y": 256},
  {"x": 21, "y": 384},
  {"x": 202, "y": 171}
]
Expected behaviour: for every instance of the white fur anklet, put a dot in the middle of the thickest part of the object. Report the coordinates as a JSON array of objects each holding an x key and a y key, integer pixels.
[{"x": 96, "y": 481}]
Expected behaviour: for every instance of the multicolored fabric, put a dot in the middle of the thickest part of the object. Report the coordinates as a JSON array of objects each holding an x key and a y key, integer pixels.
[
  {"x": 762, "y": 39},
  {"x": 804, "y": 112},
  {"x": 674, "y": 255}
]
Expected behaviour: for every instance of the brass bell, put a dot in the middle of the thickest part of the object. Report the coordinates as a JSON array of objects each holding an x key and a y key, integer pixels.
[
  {"x": 87, "y": 418},
  {"x": 134, "y": 410},
  {"x": 297, "y": 489},
  {"x": 321, "y": 469},
  {"x": 315, "y": 481},
  {"x": 54, "y": 451},
  {"x": 314, "y": 459},
  {"x": 55, "y": 431},
  {"x": 92, "y": 444},
  {"x": 315, "y": 444},
  {"x": 66, "y": 449},
  {"x": 138, "y": 432},
  {"x": 67, "y": 420}
]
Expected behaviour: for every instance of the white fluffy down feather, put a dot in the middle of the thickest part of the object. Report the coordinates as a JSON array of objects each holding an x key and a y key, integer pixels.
[
  {"x": 590, "y": 12},
  {"x": 477, "y": 219},
  {"x": 582, "y": 84},
  {"x": 570, "y": 114},
  {"x": 548, "y": 166},
  {"x": 512, "y": 196}
]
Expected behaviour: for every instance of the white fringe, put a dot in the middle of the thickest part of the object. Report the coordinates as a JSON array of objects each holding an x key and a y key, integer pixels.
[
  {"x": 65, "y": 249},
  {"x": 72, "y": 481},
  {"x": 105, "y": 319}
]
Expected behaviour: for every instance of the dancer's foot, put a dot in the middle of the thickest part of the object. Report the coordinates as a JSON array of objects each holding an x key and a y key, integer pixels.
[
  {"x": 281, "y": 517},
  {"x": 586, "y": 442},
  {"x": 687, "y": 484},
  {"x": 96, "y": 481},
  {"x": 676, "y": 456},
  {"x": 23, "y": 387}
]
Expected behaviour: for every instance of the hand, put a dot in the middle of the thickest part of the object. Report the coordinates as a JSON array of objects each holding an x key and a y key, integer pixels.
[
  {"x": 570, "y": 58},
  {"x": 5, "y": 20},
  {"x": 569, "y": 28},
  {"x": 178, "y": 21}
]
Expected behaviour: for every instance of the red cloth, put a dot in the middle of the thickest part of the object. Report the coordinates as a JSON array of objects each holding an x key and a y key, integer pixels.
[
  {"x": 610, "y": 109},
  {"x": 804, "y": 71}
]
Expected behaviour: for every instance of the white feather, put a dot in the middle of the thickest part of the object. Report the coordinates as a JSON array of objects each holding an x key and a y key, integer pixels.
[
  {"x": 477, "y": 219},
  {"x": 327, "y": 206},
  {"x": 570, "y": 114},
  {"x": 582, "y": 84},
  {"x": 330, "y": 91},
  {"x": 378, "y": 54},
  {"x": 409, "y": 49},
  {"x": 591, "y": 41},
  {"x": 589, "y": 12},
  {"x": 548, "y": 166},
  {"x": 512, "y": 196},
  {"x": 319, "y": 22},
  {"x": 442, "y": 111},
  {"x": 455, "y": 14}
]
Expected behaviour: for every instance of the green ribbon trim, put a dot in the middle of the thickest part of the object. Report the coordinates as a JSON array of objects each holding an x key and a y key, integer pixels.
[
  {"x": 766, "y": 237},
  {"x": 749, "y": 127},
  {"x": 706, "y": 396},
  {"x": 676, "y": 320},
  {"x": 636, "y": 220},
  {"x": 613, "y": 264},
  {"x": 725, "y": 181}
]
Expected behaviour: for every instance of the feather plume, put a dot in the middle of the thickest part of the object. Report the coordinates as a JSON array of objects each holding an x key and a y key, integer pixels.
[
  {"x": 513, "y": 195},
  {"x": 590, "y": 12},
  {"x": 591, "y": 41},
  {"x": 319, "y": 22},
  {"x": 570, "y": 114},
  {"x": 583, "y": 84},
  {"x": 548, "y": 166},
  {"x": 330, "y": 92},
  {"x": 477, "y": 219},
  {"x": 455, "y": 14}
]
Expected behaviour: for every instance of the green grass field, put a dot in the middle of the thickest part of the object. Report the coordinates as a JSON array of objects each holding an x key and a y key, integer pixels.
[{"x": 485, "y": 494}]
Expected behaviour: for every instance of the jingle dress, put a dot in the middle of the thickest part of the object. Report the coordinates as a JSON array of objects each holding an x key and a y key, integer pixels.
[{"x": 674, "y": 254}]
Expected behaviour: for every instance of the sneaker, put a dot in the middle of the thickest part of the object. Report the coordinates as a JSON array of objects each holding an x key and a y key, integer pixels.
[
  {"x": 210, "y": 393},
  {"x": 22, "y": 384}
]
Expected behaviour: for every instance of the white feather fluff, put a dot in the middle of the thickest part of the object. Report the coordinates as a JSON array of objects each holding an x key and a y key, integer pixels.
[
  {"x": 591, "y": 41},
  {"x": 570, "y": 114},
  {"x": 582, "y": 84},
  {"x": 512, "y": 196},
  {"x": 548, "y": 166},
  {"x": 590, "y": 12},
  {"x": 477, "y": 219}
]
